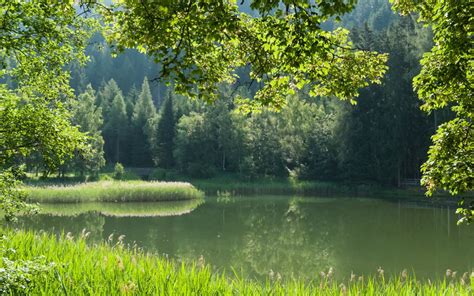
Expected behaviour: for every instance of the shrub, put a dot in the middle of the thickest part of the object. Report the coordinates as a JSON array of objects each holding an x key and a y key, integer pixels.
[
  {"x": 158, "y": 174},
  {"x": 119, "y": 171}
]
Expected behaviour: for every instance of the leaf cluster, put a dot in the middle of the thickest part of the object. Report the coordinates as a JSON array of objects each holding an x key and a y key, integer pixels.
[{"x": 200, "y": 44}]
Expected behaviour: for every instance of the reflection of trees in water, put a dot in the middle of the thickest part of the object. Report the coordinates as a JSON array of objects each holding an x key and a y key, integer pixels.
[
  {"x": 92, "y": 222},
  {"x": 286, "y": 241}
]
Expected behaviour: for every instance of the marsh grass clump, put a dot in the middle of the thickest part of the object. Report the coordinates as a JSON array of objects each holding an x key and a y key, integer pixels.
[
  {"x": 112, "y": 268},
  {"x": 114, "y": 191}
]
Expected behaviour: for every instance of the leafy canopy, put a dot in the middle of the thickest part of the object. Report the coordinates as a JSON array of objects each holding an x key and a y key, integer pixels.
[
  {"x": 446, "y": 80},
  {"x": 201, "y": 43},
  {"x": 38, "y": 39}
]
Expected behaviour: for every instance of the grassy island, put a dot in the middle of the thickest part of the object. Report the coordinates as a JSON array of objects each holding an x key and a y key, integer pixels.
[
  {"x": 69, "y": 266},
  {"x": 114, "y": 191}
]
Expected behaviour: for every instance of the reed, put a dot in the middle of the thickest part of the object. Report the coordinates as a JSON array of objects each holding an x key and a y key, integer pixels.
[
  {"x": 113, "y": 269},
  {"x": 114, "y": 191}
]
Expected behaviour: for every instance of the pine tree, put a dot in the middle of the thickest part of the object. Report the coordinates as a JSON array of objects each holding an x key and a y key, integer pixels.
[
  {"x": 117, "y": 128},
  {"x": 105, "y": 97},
  {"x": 89, "y": 117},
  {"x": 165, "y": 134},
  {"x": 143, "y": 114}
]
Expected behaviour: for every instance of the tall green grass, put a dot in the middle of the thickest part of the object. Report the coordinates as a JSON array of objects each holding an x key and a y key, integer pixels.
[
  {"x": 114, "y": 191},
  {"x": 112, "y": 269},
  {"x": 129, "y": 209}
]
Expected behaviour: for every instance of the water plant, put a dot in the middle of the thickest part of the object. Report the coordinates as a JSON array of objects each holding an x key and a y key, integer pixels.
[{"x": 114, "y": 191}]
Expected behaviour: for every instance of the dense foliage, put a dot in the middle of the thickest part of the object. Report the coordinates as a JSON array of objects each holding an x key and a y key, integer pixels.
[
  {"x": 446, "y": 80},
  {"x": 38, "y": 40},
  {"x": 382, "y": 139},
  {"x": 284, "y": 46}
]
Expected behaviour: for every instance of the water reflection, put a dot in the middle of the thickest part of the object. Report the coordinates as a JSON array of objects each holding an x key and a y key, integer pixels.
[{"x": 293, "y": 237}]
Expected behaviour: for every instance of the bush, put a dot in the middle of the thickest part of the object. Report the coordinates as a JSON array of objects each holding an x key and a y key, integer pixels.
[
  {"x": 119, "y": 171},
  {"x": 158, "y": 174}
]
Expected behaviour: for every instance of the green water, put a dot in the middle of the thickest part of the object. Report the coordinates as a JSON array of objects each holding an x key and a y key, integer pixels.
[{"x": 296, "y": 237}]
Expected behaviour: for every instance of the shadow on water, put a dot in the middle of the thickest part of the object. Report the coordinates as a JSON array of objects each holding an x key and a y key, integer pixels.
[{"x": 281, "y": 236}]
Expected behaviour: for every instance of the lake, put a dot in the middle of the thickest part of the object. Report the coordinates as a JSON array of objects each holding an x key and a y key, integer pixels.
[{"x": 281, "y": 236}]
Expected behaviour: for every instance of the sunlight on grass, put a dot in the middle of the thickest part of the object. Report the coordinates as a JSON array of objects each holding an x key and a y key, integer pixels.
[
  {"x": 112, "y": 269},
  {"x": 114, "y": 191}
]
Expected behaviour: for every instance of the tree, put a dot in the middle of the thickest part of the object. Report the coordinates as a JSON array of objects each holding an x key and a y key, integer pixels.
[
  {"x": 106, "y": 96},
  {"x": 285, "y": 47},
  {"x": 193, "y": 146},
  {"x": 143, "y": 114},
  {"x": 33, "y": 118},
  {"x": 117, "y": 128},
  {"x": 165, "y": 134},
  {"x": 446, "y": 80},
  {"x": 88, "y": 117},
  {"x": 384, "y": 137}
]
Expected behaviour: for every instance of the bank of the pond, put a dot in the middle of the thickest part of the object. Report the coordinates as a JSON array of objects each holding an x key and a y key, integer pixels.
[
  {"x": 75, "y": 268},
  {"x": 114, "y": 191},
  {"x": 216, "y": 186},
  {"x": 122, "y": 209}
]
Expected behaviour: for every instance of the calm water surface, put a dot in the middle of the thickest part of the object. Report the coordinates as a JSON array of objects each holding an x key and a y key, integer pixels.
[{"x": 296, "y": 237}]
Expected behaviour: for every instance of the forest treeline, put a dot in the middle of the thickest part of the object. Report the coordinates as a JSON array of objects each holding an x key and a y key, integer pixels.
[{"x": 134, "y": 120}]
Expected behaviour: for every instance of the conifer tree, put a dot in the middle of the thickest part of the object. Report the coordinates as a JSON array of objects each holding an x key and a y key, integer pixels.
[
  {"x": 117, "y": 128},
  {"x": 165, "y": 134},
  {"x": 105, "y": 97},
  {"x": 143, "y": 114},
  {"x": 88, "y": 117}
]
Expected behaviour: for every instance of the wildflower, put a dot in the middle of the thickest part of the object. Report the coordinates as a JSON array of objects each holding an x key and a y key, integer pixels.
[
  {"x": 449, "y": 272},
  {"x": 278, "y": 276},
  {"x": 353, "y": 276},
  {"x": 121, "y": 238},
  {"x": 85, "y": 234},
  {"x": 380, "y": 271},
  {"x": 69, "y": 236},
  {"x": 128, "y": 287},
  {"x": 271, "y": 274},
  {"x": 201, "y": 262},
  {"x": 343, "y": 289},
  {"x": 404, "y": 275},
  {"x": 465, "y": 280},
  {"x": 111, "y": 237},
  {"x": 330, "y": 272},
  {"x": 120, "y": 263}
]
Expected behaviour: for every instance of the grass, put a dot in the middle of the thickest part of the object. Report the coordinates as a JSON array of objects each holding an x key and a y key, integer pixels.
[
  {"x": 129, "y": 209},
  {"x": 114, "y": 191},
  {"x": 113, "y": 269}
]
